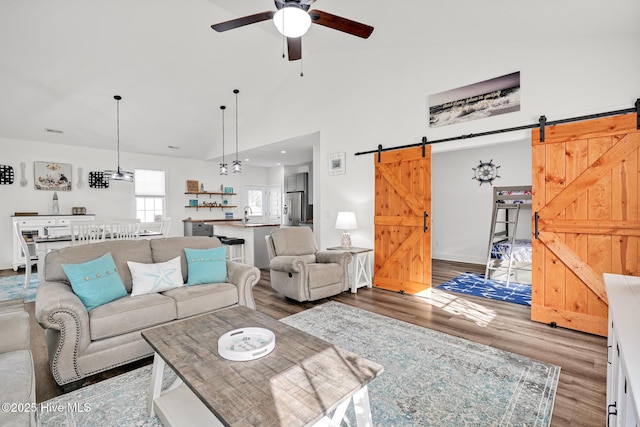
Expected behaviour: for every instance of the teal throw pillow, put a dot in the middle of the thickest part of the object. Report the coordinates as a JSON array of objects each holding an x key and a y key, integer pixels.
[
  {"x": 95, "y": 282},
  {"x": 206, "y": 265}
]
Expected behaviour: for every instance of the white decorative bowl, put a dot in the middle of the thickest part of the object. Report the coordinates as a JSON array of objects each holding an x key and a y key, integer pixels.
[{"x": 246, "y": 344}]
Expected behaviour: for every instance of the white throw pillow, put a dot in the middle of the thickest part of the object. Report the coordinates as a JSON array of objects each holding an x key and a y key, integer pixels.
[{"x": 159, "y": 277}]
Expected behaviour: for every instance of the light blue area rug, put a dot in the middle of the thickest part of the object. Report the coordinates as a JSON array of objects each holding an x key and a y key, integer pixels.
[
  {"x": 429, "y": 379},
  {"x": 12, "y": 287},
  {"x": 474, "y": 284}
]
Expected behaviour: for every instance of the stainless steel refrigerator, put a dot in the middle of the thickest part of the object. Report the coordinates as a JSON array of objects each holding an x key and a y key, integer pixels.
[{"x": 294, "y": 208}]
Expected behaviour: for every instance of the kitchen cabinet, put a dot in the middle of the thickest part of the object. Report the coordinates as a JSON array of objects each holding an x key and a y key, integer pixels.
[
  {"x": 296, "y": 182},
  {"x": 33, "y": 226}
]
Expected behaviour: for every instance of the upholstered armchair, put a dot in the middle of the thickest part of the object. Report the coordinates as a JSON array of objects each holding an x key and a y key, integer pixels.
[{"x": 300, "y": 271}]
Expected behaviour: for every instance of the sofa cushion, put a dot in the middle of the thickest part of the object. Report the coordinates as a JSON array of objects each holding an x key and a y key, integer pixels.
[
  {"x": 130, "y": 314},
  {"x": 18, "y": 385},
  {"x": 206, "y": 265},
  {"x": 156, "y": 277},
  {"x": 121, "y": 250},
  {"x": 193, "y": 300},
  {"x": 168, "y": 248},
  {"x": 96, "y": 282},
  {"x": 321, "y": 275},
  {"x": 293, "y": 241}
]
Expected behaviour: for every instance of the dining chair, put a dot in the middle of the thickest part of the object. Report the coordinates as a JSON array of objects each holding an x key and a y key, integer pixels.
[
  {"x": 87, "y": 232},
  {"x": 124, "y": 231},
  {"x": 29, "y": 260},
  {"x": 165, "y": 226}
]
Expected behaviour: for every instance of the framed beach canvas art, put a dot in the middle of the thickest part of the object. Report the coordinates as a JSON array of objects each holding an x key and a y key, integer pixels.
[{"x": 52, "y": 176}]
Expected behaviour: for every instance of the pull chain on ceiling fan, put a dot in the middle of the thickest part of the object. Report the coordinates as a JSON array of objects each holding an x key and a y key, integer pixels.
[{"x": 293, "y": 18}]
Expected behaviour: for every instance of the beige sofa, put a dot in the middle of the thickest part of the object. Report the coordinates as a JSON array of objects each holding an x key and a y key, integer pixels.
[
  {"x": 17, "y": 374},
  {"x": 82, "y": 343}
]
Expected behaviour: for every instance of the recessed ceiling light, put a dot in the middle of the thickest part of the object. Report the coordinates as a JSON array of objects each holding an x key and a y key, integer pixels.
[
  {"x": 173, "y": 147},
  {"x": 283, "y": 151},
  {"x": 247, "y": 160},
  {"x": 277, "y": 164}
]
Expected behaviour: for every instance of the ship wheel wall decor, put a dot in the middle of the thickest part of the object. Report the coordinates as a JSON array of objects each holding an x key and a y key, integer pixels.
[{"x": 486, "y": 172}]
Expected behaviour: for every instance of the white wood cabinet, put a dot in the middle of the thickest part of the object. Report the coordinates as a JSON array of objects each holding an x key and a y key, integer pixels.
[
  {"x": 39, "y": 226},
  {"x": 623, "y": 369}
]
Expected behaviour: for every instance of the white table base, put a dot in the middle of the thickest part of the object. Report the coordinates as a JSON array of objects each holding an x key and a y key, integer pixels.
[{"x": 179, "y": 406}]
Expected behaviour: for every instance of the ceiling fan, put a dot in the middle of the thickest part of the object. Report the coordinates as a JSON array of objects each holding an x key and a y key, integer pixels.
[{"x": 293, "y": 18}]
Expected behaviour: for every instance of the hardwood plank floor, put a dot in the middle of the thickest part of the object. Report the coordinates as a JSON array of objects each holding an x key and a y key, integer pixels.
[{"x": 580, "y": 398}]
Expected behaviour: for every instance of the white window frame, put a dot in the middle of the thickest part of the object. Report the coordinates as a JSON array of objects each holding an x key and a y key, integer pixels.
[
  {"x": 154, "y": 194},
  {"x": 253, "y": 213}
]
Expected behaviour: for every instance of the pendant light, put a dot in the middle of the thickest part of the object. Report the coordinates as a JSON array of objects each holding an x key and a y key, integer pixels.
[
  {"x": 223, "y": 165},
  {"x": 237, "y": 164},
  {"x": 119, "y": 174}
]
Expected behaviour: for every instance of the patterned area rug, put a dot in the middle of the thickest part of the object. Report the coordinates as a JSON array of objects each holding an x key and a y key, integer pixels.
[
  {"x": 430, "y": 378},
  {"x": 12, "y": 287},
  {"x": 473, "y": 284}
]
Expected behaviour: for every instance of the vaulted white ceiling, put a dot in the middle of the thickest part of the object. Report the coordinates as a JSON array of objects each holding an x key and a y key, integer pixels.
[{"x": 62, "y": 61}]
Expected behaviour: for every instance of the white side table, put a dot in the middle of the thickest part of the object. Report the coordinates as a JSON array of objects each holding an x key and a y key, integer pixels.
[{"x": 361, "y": 274}]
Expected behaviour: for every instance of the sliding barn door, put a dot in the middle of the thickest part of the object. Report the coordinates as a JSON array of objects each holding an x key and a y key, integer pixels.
[
  {"x": 402, "y": 224},
  {"x": 585, "y": 193}
]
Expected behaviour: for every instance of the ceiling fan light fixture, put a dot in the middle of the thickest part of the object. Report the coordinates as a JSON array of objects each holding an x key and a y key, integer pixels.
[
  {"x": 292, "y": 21},
  {"x": 118, "y": 174}
]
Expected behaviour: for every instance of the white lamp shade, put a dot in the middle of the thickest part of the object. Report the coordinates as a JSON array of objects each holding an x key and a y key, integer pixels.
[
  {"x": 346, "y": 221},
  {"x": 292, "y": 21}
]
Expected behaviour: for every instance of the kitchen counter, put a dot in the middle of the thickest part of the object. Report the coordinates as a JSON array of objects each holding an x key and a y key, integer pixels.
[
  {"x": 247, "y": 225},
  {"x": 255, "y": 246}
]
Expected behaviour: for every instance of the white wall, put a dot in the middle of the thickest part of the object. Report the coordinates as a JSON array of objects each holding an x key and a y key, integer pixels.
[
  {"x": 386, "y": 102},
  {"x": 117, "y": 201},
  {"x": 357, "y": 100},
  {"x": 461, "y": 208}
]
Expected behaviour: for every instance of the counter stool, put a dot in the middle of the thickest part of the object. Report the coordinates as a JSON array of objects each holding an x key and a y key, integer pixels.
[{"x": 234, "y": 244}]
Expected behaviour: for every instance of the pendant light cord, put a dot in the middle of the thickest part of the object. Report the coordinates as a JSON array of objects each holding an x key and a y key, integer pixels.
[
  {"x": 118, "y": 98},
  {"x": 222, "y": 107},
  {"x": 236, "y": 91}
]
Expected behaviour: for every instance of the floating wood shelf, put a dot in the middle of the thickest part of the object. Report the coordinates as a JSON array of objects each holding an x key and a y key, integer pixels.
[
  {"x": 210, "y": 207},
  {"x": 209, "y": 193}
]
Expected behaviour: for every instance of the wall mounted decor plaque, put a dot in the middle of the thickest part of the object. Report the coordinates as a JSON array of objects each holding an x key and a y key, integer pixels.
[
  {"x": 98, "y": 180},
  {"x": 6, "y": 175},
  {"x": 337, "y": 164},
  {"x": 52, "y": 176}
]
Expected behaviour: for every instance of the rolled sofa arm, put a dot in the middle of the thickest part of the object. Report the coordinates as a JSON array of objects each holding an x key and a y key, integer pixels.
[
  {"x": 245, "y": 277},
  {"x": 288, "y": 264},
  {"x": 339, "y": 257},
  {"x": 66, "y": 321}
]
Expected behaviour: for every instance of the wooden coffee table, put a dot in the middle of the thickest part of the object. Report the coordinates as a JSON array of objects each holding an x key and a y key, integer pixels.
[{"x": 301, "y": 382}]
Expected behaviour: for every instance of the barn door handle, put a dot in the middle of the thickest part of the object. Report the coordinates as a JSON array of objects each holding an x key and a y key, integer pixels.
[
  {"x": 536, "y": 217},
  {"x": 424, "y": 222}
]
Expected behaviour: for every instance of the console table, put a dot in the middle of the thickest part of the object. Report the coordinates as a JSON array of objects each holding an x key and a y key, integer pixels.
[
  {"x": 362, "y": 271},
  {"x": 623, "y": 342}
]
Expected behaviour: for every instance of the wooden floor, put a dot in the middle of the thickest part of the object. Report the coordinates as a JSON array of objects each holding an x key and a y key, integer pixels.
[{"x": 580, "y": 398}]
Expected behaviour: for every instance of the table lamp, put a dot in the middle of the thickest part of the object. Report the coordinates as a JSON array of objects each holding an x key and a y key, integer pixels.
[{"x": 346, "y": 221}]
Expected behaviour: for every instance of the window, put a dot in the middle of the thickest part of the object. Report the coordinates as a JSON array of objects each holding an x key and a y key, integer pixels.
[
  {"x": 255, "y": 201},
  {"x": 150, "y": 194}
]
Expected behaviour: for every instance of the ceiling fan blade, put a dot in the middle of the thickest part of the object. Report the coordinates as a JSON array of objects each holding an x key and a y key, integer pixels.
[
  {"x": 341, "y": 24},
  {"x": 294, "y": 46},
  {"x": 241, "y": 22}
]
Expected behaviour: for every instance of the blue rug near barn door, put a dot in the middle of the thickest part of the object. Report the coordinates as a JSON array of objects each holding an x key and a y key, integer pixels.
[{"x": 474, "y": 284}]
